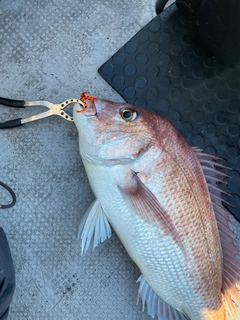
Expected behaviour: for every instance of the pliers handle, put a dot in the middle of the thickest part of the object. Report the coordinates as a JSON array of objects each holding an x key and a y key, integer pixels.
[{"x": 54, "y": 109}]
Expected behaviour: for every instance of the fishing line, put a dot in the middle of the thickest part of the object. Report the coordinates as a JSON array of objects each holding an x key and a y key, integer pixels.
[{"x": 7, "y": 206}]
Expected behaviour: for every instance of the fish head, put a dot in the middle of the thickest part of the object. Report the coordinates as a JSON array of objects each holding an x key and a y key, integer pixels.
[{"x": 113, "y": 131}]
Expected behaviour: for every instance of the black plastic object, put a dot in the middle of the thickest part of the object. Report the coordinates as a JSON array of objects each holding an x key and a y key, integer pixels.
[
  {"x": 12, "y": 103},
  {"x": 162, "y": 69},
  {"x": 7, "y": 206},
  {"x": 7, "y": 276},
  {"x": 11, "y": 123},
  {"x": 217, "y": 25},
  {"x": 159, "y": 6},
  {"x": 189, "y": 7}
]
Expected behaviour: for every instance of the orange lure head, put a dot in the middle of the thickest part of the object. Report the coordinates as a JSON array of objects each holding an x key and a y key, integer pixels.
[{"x": 85, "y": 96}]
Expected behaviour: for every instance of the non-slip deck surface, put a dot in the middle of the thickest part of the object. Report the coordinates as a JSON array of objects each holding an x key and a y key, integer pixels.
[{"x": 162, "y": 69}]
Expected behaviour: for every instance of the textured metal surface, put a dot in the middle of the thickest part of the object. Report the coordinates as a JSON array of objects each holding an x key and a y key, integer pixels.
[
  {"x": 51, "y": 50},
  {"x": 162, "y": 69}
]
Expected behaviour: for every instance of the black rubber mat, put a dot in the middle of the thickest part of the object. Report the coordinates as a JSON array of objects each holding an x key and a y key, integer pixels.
[{"x": 162, "y": 69}]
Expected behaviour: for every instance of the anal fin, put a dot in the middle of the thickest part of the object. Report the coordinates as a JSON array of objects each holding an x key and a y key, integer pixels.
[
  {"x": 155, "y": 305},
  {"x": 94, "y": 226}
]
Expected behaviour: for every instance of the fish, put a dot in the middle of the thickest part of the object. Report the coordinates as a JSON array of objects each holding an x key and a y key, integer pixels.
[{"x": 162, "y": 198}]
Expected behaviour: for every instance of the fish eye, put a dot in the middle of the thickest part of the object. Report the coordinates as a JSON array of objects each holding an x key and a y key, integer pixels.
[{"x": 128, "y": 114}]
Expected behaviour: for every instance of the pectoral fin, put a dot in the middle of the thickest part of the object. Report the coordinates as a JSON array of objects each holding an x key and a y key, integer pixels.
[
  {"x": 155, "y": 305},
  {"x": 94, "y": 226},
  {"x": 147, "y": 206}
]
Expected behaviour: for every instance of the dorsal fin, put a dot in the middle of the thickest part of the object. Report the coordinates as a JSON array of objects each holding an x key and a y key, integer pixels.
[{"x": 226, "y": 226}]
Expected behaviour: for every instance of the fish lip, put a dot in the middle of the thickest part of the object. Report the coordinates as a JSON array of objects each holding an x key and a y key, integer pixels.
[{"x": 91, "y": 115}]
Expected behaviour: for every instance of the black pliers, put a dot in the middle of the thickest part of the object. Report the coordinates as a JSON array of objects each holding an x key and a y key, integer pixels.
[{"x": 54, "y": 109}]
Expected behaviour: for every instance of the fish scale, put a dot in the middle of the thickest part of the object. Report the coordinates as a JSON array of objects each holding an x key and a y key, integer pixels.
[
  {"x": 185, "y": 223},
  {"x": 150, "y": 186}
]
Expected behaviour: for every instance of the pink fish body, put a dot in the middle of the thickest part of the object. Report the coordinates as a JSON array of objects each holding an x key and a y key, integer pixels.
[{"x": 161, "y": 197}]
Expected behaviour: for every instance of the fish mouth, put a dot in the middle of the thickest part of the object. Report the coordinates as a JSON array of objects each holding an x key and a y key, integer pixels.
[{"x": 87, "y": 104}]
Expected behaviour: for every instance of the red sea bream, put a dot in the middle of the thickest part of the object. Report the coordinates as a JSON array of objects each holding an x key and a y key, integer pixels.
[{"x": 161, "y": 196}]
